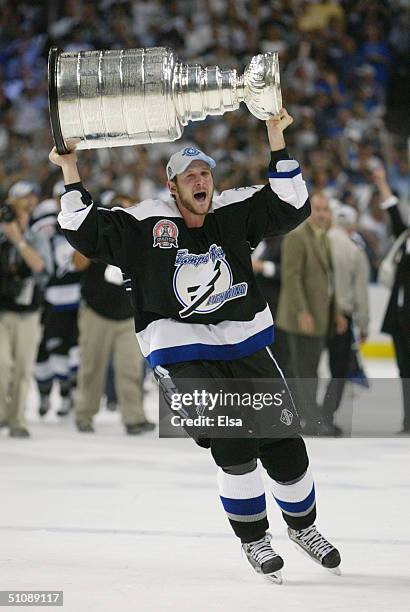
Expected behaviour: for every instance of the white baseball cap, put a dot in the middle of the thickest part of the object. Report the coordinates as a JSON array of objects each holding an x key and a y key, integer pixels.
[
  {"x": 21, "y": 189},
  {"x": 180, "y": 161}
]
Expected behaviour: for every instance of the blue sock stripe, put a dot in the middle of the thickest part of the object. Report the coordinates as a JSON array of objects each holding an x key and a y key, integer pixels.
[
  {"x": 251, "y": 505},
  {"x": 299, "y": 506}
]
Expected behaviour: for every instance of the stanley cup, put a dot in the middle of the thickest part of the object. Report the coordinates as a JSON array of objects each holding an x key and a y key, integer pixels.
[{"x": 138, "y": 96}]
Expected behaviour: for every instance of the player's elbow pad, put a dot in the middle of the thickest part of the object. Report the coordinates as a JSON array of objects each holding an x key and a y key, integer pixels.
[{"x": 288, "y": 184}]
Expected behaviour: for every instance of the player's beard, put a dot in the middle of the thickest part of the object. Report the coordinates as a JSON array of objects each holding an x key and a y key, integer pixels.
[{"x": 188, "y": 205}]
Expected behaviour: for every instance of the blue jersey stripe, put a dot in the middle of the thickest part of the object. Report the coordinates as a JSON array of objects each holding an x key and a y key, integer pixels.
[
  {"x": 299, "y": 506},
  {"x": 290, "y": 174},
  {"x": 191, "y": 352},
  {"x": 244, "y": 507}
]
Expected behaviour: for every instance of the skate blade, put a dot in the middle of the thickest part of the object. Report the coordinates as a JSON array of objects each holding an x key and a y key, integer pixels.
[
  {"x": 333, "y": 570},
  {"x": 276, "y": 577}
]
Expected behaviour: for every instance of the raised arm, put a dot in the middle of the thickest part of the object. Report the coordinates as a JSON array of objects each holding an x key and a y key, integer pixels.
[
  {"x": 275, "y": 127},
  {"x": 34, "y": 260},
  {"x": 68, "y": 165},
  {"x": 280, "y": 205},
  {"x": 389, "y": 202},
  {"x": 285, "y": 201},
  {"x": 96, "y": 233}
]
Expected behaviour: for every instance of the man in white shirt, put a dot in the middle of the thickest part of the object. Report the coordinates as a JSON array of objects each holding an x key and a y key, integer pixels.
[{"x": 351, "y": 275}]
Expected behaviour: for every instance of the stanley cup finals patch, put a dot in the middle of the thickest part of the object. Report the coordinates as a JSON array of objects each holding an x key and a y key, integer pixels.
[{"x": 165, "y": 234}]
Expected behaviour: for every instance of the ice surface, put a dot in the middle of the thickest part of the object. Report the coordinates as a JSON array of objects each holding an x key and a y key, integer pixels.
[{"x": 126, "y": 524}]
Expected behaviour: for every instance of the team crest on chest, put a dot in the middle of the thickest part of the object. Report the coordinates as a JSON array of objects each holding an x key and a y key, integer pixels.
[
  {"x": 165, "y": 234},
  {"x": 204, "y": 282}
]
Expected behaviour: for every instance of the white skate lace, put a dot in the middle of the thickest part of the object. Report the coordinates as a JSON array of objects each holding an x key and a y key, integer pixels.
[
  {"x": 314, "y": 541},
  {"x": 261, "y": 550}
]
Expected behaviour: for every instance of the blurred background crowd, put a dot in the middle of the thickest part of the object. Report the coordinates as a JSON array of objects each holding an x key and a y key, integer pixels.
[
  {"x": 343, "y": 68},
  {"x": 344, "y": 71}
]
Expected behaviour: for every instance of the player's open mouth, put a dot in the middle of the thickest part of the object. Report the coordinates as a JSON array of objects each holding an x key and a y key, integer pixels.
[{"x": 200, "y": 196}]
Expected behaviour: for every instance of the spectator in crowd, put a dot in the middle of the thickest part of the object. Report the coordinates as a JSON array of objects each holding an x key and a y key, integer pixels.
[
  {"x": 25, "y": 263},
  {"x": 373, "y": 228},
  {"x": 397, "y": 318},
  {"x": 106, "y": 327},
  {"x": 351, "y": 276},
  {"x": 307, "y": 306},
  {"x": 334, "y": 55}
]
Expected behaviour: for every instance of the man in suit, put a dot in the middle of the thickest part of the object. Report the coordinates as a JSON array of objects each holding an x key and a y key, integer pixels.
[{"x": 307, "y": 308}]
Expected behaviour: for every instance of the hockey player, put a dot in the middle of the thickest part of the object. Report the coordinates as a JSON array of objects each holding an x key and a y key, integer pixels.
[
  {"x": 199, "y": 314},
  {"x": 57, "y": 358}
]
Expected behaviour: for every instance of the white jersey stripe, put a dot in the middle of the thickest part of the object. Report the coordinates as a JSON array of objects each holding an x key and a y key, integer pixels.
[
  {"x": 167, "y": 335},
  {"x": 73, "y": 210}
]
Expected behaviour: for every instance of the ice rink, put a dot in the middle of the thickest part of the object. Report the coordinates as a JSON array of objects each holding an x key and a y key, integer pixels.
[{"x": 124, "y": 524}]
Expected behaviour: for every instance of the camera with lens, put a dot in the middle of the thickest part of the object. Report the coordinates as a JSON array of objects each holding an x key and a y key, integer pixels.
[
  {"x": 13, "y": 269},
  {"x": 7, "y": 213}
]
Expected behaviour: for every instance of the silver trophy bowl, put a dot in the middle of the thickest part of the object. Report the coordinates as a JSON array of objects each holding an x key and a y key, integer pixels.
[{"x": 138, "y": 96}]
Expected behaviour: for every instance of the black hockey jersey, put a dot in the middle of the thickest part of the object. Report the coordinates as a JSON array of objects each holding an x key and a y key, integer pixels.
[{"x": 193, "y": 289}]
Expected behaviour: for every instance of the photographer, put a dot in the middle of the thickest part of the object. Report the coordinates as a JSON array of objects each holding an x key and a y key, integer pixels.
[{"x": 25, "y": 263}]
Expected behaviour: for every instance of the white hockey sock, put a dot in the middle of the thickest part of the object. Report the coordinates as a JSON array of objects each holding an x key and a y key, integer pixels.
[
  {"x": 296, "y": 498},
  {"x": 242, "y": 495}
]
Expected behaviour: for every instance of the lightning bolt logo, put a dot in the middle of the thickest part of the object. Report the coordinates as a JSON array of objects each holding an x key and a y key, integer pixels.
[{"x": 200, "y": 293}]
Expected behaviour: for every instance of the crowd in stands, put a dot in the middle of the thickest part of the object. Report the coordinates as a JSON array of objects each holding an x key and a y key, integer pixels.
[{"x": 343, "y": 67}]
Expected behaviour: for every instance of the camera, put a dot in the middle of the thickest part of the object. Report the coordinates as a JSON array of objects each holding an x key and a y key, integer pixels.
[
  {"x": 7, "y": 213},
  {"x": 13, "y": 270}
]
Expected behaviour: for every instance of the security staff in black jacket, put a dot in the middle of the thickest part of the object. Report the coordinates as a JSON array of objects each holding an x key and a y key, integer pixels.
[
  {"x": 200, "y": 315},
  {"x": 397, "y": 318}
]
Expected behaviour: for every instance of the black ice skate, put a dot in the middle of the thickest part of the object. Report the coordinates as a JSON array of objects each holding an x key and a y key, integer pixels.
[
  {"x": 316, "y": 547},
  {"x": 263, "y": 559}
]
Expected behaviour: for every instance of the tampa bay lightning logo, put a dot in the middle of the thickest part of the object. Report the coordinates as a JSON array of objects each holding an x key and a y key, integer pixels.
[
  {"x": 190, "y": 152},
  {"x": 203, "y": 283}
]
